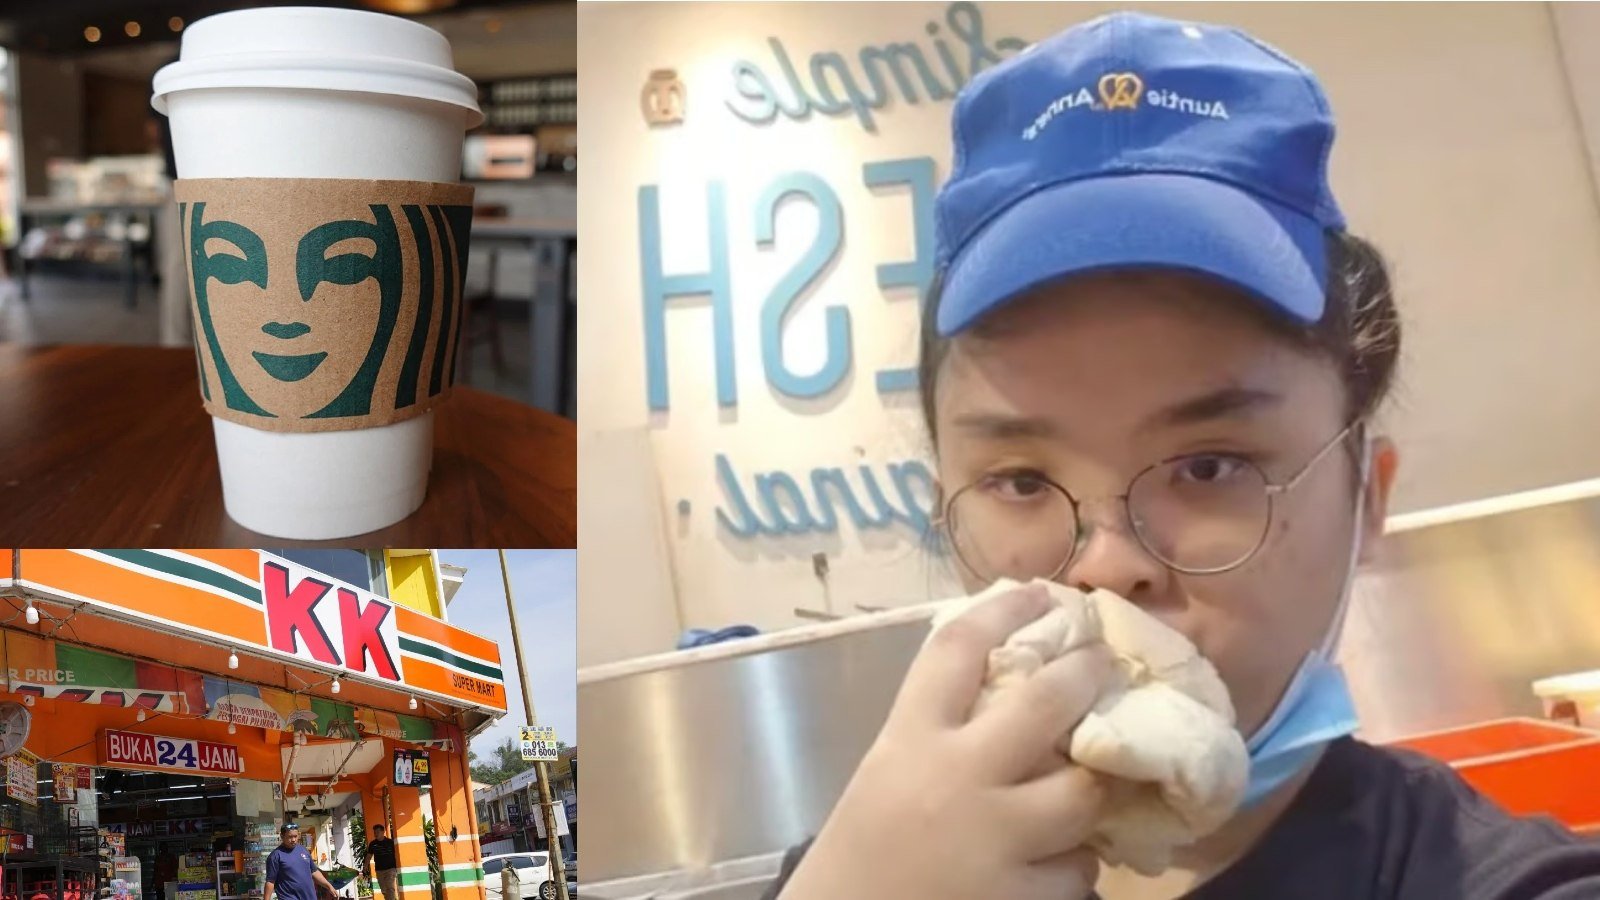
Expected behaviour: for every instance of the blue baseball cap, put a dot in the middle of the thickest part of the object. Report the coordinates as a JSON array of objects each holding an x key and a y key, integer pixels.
[{"x": 1134, "y": 142}]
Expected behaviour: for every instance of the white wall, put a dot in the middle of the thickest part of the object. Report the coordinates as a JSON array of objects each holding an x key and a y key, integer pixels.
[{"x": 1460, "y": 153}]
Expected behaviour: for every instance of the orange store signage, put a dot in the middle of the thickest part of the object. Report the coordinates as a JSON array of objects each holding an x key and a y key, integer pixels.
[
  {"x": 262, "y": 603},
  {"x": 150, "y": 751}
]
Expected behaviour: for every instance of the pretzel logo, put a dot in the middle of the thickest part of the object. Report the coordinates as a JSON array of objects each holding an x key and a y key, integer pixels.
[{"x": 1121, "y": 90}]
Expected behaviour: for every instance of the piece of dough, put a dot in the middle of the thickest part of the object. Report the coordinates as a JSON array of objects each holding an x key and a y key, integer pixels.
[{"x": 1163, "y": 726}]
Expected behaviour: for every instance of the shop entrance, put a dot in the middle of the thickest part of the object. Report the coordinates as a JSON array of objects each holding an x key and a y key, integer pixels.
[{"x": 195, "y": 838}]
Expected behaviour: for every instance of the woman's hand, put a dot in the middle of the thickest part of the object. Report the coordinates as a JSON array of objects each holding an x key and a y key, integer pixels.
[{"x": 947, "y": 805}]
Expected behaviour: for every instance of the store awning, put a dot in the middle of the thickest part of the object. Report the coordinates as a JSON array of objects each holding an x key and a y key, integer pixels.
[{"x": 243, "y": 635}]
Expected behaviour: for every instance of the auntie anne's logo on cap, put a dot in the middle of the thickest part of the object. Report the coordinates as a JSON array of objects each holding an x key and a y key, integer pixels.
[{"x": 1122, "y": 90}]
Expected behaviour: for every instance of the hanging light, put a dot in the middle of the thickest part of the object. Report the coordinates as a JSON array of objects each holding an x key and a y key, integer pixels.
[
  {"x": 31, "y": 615},
  {"x": 413, "y": 703},
  {"x": 141, "y": 714},
  {"x": 27, "y": 699},
  {"x": 336, "y": 686},
  {"x": 408, "y": 7},
  {"x": 232, "y": 729},
  {"x": 233, "y": 660}
]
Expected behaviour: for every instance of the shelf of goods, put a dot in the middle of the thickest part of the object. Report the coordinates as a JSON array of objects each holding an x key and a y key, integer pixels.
[
  {"x": 197, "y": 877},
  {"x": 1528, "y": 766},
  {"x": 63, "y": 878},
  {"x": 238, "y": 876}
]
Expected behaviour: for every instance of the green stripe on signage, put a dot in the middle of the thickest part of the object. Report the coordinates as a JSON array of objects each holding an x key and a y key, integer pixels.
[
  {"x": 91, "y": 669},
  {"x": 452, "y": 876},
  {"x": 181, "y": 569},
  {"x": 415, "y": 729},
  {"x": 445, "y": 656}
]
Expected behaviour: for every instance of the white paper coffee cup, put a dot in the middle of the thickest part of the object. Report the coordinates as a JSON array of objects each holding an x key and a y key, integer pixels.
[{"x": 296, "y": 92}]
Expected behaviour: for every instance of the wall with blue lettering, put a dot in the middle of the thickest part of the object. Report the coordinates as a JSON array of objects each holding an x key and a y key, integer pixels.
[
  {"x": 761, "y": 286},
  {"x": 749, "y": 280}
]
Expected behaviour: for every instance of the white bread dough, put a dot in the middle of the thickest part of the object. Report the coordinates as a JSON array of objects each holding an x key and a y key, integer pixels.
[{"x": 1163, "y": 726}]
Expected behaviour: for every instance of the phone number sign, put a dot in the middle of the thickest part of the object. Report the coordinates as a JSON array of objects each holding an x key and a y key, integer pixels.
[
  {"x": 539, "y": 744},
  {"x": 151, "y": 751}
]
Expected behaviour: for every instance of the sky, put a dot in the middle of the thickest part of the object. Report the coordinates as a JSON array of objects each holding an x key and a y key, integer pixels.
[{"x": 544, "y": 584}]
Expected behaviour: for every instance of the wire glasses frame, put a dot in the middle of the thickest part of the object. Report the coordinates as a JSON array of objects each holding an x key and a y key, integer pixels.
[{"x": 949, "y": 521}]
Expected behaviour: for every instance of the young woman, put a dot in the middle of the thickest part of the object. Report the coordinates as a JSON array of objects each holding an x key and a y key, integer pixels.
[{"x": 1149, "y": 366}]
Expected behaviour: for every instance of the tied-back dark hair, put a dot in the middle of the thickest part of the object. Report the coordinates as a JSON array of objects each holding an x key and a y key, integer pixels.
[{"x": 1359, "y": 330}]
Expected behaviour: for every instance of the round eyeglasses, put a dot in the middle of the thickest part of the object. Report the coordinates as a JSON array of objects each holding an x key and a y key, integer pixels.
[{"x": 1199, "y": 514}]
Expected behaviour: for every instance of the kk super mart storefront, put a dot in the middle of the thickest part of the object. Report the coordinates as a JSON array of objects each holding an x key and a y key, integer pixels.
[{"x": 194, "y": 700}]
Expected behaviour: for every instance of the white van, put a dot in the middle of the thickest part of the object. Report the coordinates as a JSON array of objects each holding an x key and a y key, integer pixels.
[{"x": 532, "y": 871}]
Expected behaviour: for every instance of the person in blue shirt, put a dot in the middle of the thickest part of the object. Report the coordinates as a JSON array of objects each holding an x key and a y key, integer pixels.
[{"x": 290, "y": 873}]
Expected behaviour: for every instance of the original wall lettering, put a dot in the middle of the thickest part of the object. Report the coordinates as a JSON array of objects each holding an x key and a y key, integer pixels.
[{"x": 772, "y": 504}]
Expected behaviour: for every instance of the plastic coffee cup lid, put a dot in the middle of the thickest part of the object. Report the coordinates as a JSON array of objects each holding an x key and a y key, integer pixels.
[{"x": 319, "y": 49}]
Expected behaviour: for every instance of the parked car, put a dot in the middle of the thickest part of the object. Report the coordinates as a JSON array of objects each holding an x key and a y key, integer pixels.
[
  {"x": 569, "y": 862},
  {"x": 532, "y": 871}
]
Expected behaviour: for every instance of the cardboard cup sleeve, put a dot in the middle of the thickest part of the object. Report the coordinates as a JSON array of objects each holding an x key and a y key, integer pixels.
[{"x": 324, "y": 304}]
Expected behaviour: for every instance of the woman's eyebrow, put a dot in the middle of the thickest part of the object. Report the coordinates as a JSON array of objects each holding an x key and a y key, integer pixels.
[
  {"x": 1002, "y": 426},
  {"x": 1227, "y": 403}
]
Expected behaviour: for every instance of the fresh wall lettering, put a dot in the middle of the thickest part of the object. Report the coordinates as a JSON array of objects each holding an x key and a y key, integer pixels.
[
  {"x": 834, "y": 88},
  {"x": 658, "y": 287}
]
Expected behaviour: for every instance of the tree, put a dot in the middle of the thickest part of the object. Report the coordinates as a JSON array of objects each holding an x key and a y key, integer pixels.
[
  {"x": 507, "y": 762},
  {"x": 358, "y": 846},
  {"x": 430, "y": 843}
]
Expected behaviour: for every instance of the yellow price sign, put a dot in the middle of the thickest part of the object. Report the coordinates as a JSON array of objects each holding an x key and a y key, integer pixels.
[{"x": 539, "y": 743}]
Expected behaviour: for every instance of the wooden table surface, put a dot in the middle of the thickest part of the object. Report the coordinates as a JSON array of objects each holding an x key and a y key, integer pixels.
[{"x": 106, "y": 446}]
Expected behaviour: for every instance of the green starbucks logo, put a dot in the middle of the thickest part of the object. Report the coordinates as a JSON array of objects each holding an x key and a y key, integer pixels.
[{"x": 318, "y": 307}]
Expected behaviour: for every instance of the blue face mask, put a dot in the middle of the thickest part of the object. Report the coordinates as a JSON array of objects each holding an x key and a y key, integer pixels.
[{"x": 1316, "y": 709}]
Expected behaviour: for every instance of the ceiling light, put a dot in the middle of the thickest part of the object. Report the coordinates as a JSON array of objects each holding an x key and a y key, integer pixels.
[
  {"x": 408, "y": 7},
  {"x": 141, "y": 714},
  {"x": 413, "y": 703},
  {"x": 175, "y": 23},
  {"x": 336, "y": 684},
  {"x": 233, "y": 660},
  {"x": 91, "y": 34},
  {"x": 31, "y": 614},
  {"x": 131, "y": 29}
]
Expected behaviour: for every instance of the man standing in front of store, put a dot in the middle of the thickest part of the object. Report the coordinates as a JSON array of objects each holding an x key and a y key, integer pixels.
[
  {"x": 290, "y": 874},
  {"x": 380, "y": 856}
]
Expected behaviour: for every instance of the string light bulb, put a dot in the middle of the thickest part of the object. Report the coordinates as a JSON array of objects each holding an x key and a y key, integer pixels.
[
  {"x": 232, "y": 729},
  {"x": 336, "y": 686},
  {"x": 233, "y": 660},
  {"x": 31, "y": 614},
  {"x": 141, "y": 714},
  {"x": 413, "y": 703}
]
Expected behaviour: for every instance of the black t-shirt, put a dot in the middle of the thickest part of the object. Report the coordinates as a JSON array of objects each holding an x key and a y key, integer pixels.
[
  {"x": 1389, "y": 824},
  {"x": 381, "y": 854}
]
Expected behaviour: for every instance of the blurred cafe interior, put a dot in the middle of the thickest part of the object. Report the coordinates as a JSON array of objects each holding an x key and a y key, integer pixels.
[{"x": 86, "y": 171}]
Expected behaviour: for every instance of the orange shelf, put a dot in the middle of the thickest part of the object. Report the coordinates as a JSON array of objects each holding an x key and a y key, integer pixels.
[{"x": 1528, "y": 766}]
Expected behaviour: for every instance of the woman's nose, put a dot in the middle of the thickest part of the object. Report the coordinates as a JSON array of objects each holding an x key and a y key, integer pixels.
[{"x": 1110, "y": 556}]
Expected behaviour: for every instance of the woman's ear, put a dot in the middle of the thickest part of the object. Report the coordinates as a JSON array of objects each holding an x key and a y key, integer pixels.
[{"x": 1385, "y": 462}]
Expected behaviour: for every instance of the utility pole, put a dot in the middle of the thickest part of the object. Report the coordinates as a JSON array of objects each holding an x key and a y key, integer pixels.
[{"x": 558, "y": 866}]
